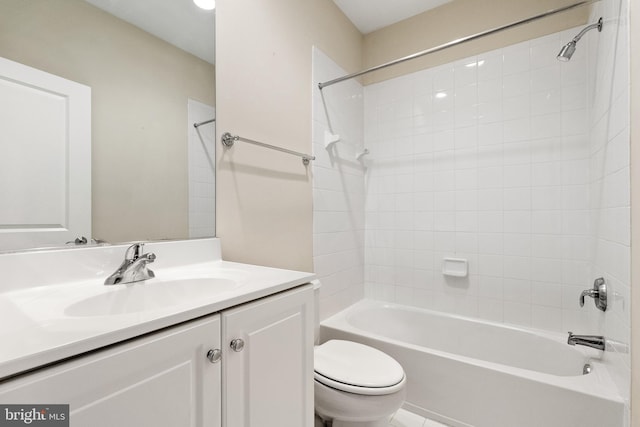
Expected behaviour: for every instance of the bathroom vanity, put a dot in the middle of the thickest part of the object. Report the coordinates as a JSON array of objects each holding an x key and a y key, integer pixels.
[{"x": 237, "y": 354}]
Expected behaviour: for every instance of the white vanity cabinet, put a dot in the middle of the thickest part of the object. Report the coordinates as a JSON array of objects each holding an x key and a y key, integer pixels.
[
  {"x": 166, "y": 379},
  {"x": 161, "y": 379},
  {"x": 268, "y": 362}
]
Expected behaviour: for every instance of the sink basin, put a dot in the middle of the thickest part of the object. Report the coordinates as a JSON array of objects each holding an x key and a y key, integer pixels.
[{"x": 148, "y": 296}]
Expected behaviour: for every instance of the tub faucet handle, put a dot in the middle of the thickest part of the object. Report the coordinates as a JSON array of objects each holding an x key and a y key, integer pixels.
[
  {"x": 598, "y": 293},
  {"x": 587, "y": 293}
]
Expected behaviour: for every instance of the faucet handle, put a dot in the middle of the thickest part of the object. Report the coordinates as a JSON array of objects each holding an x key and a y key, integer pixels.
[
  {"x": 588, "y": 293},
  {"x": 598, "y": 293},
  {"x": 134, "y": 251}
]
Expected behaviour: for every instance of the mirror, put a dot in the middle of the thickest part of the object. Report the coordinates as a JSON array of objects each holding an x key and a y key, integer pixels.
[{"x": 150, "y": 67}]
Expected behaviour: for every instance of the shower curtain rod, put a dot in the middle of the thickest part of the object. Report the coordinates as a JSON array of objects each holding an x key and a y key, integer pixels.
[{"x": 455, "y": 42}]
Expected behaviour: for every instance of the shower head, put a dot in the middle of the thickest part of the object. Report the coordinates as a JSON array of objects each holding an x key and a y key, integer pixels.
[{"x": 567, "y": 50}]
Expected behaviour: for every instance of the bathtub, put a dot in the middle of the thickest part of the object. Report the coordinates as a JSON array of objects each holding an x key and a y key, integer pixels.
[{"x": 466, "y": 372}]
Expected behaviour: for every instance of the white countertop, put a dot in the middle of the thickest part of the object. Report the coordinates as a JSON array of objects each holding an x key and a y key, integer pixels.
[{"x": 46, "y": 323}]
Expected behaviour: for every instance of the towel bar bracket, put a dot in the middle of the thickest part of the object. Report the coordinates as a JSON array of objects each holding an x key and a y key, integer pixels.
[{"x": 228, "y": 139}]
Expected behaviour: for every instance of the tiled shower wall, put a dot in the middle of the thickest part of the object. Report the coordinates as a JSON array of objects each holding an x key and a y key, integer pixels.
[
  {"x": 485, "y": 159},
  {"x": 510, "y": 159},
  {"x": 338, "y": 188},
  {"x": 608, "y": 67}
]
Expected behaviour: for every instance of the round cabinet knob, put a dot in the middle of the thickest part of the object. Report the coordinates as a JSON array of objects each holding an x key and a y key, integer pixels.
[
  {"x": 214, "y": 355},
  {"x": 237, "y": 344}
]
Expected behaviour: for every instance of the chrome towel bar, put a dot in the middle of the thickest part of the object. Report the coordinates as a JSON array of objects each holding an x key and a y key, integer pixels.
[
  {"x": 228, "y": 140},
  {"x": 197, "y": 125}
]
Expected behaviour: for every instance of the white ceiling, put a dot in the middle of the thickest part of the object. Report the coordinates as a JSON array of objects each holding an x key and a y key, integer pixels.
[
  {"x": 183, "y": 24},
  {"x": 371, "y": 15},
  {"x": 179, "y": 22}
]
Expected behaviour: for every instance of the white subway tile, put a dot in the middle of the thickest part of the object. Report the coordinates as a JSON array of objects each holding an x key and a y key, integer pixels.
[
  {"x": 517, "y": 313},
  {"x": 517, "y": 221},
  {"x": 490, "y": 243},
  {"x": 546, "y": 126},
  {"x": 574, "y": 122},
  {"x": 466, "y": 179},
  {"x": 546, "y": 294},
  {"x": 466, "y": 137},
  {"x": 517, "y": 175},
  {"x": 547, "y": 318},
  {"x": 490, "y": 65},
  {"x": 516, "y": 130},
  {"x": 516, "y": 58},
  {"x": 517, "y": 268},
  {"x": 490, "y": 309},
  {"x": 546, "y": 269},
  {"x": 466, "y": 72},
  {"x": 547, "y": 222},
  {"x": 547, "y": 78},
  {"x": 466, "y": 221},
  {"x": 490, "y": 199},
  {"x": 490, "y": 265},
  {"x": 544, "y": 51},
  {"x": 547, "y": 198},
  {"x": 490, "y": 90},
  {"x": 490, "y": 222},
  {"x": 574, "y": 97},
  {"x": 489, "y": 112},
  {"x": 516, "y": 107},
  {"x": 492, "y": 155},
  {"x": 517, "y": 199},
  {"x": 443, "y": 78},
  {"x": 517, "y": 244},
  {"x": 466, "y": 200},
  {"x": 490, "y": 134},
  {"x": 516, "y": 84},
  {"x": 466, "y": 158},
  {"x": 546, "y": 101}
]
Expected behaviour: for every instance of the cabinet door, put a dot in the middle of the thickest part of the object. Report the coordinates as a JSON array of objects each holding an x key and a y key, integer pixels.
[
  {"x": 163, "y": 379},
  {"x": 269, "y": 382}
]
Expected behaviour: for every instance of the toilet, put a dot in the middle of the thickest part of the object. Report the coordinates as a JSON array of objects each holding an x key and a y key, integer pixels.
[{"x": 356, "y": 385}]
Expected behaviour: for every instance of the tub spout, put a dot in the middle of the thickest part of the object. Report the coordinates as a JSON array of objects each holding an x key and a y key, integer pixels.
[{"x": 593, "y": 341}]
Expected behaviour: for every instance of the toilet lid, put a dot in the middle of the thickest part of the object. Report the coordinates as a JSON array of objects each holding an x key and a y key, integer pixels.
[{"x": 357, "y": 368}]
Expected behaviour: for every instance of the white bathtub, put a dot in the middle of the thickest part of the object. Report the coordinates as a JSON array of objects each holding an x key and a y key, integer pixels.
[{"x": 465, "y": 372}]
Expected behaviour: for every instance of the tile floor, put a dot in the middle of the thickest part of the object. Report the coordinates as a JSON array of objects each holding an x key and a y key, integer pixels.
[{"x": 404, "y": 418}]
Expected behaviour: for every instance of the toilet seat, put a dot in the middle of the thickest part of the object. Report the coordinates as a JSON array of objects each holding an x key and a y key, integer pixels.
[{"x": 356, "y": 368}]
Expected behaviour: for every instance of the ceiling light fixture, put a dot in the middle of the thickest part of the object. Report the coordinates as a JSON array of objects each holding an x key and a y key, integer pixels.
[{"x": 205, "y": 4}]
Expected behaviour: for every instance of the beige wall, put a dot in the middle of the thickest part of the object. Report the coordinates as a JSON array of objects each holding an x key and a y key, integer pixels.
[
  {"x": 140, "y": 85},
  {"x": 263, "y": 56},
  {"x": 458, "y": 19},
  {"x": 264, "y": 198},
  {"x": 634, "y": 19}
]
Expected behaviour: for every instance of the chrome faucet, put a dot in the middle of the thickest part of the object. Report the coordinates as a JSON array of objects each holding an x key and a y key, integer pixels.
[
  {"x": 134, "y": 267},
  {"x": 593, "y": 341},
  {"x": 598, "y": 292}
]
